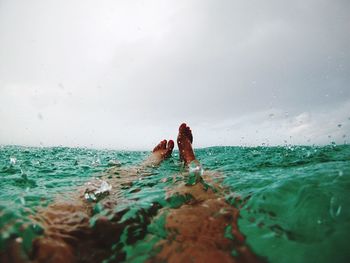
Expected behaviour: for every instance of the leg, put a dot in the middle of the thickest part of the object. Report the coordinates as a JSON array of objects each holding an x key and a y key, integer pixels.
[
  {"x": 161, "y": 151},
  {"x": 203, "y": 229},
  {"x": 68, "y": 233}
]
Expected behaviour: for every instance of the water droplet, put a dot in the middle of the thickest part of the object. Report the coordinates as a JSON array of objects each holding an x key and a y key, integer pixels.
[
  {"x": 335, "y": 207},
  {"x": 13, "y": 160},
  {"x": 96, "y": 162},
  {"x": 90, "y": 196}
]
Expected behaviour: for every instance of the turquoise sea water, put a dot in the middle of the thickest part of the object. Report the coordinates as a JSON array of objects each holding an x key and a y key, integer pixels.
[{"x": 297, "y": 205}]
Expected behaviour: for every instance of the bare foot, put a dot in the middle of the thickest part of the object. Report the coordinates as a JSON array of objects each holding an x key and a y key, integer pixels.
[
  {"x": 163, "y": 150},
  {"x": 184, "y": 142}
]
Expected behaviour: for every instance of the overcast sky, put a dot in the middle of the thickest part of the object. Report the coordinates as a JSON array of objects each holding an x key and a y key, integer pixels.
[{"x": 126, "y": 74}]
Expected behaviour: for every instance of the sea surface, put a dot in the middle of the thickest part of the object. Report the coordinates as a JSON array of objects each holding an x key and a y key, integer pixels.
[{"x": 296, "y": 209}]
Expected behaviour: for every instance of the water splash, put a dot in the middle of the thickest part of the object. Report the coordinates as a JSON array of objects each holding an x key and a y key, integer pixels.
[
  {"x": 99, "y": 193},
  {"x": 195, "y": 172},
  {"x": 13, "y": 160}
]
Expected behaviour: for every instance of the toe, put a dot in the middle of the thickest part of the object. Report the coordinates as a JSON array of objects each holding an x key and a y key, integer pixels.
[
  {"x": 182, "y": 127},
  {"x": 170, "y": 145},
  {"x": 157, "y": 147},
  {"x": 160, "y": 146},
  {"x": 163, "y": 144},
  {"x": 169, "y": 149}
]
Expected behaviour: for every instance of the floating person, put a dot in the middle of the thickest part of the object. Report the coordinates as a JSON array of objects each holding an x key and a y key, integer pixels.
[{"x": 202, "y": 229}]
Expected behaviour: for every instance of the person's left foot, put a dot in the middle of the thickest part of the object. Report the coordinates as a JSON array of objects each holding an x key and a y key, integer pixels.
[{"x": 164, "y": 149}]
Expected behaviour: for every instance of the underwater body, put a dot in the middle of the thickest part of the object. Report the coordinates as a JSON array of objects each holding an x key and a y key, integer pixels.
[{"x": 293, "y": 201}]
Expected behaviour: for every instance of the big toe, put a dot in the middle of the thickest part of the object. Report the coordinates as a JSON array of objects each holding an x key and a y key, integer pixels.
[
  {"x": 157, "y": 147},
  {"x": 160, "y": 146},
  {"x": 182, "y": 128},
  {"x": 185, "y": 131}
]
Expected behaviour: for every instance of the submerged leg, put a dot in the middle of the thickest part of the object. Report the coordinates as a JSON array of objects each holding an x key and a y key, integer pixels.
[
  {"x": 204, "y": 228},
  {"x": 68, "y": 233}
]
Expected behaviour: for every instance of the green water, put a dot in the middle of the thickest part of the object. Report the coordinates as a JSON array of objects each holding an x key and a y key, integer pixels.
[{"x": 297, "y": 198}]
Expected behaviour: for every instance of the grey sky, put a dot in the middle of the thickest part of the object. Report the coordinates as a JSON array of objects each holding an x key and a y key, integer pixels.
[{"x": 125, "y": 74}]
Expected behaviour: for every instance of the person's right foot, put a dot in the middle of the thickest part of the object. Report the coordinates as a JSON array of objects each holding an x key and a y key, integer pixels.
[{"x": 184, "y": 142}]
